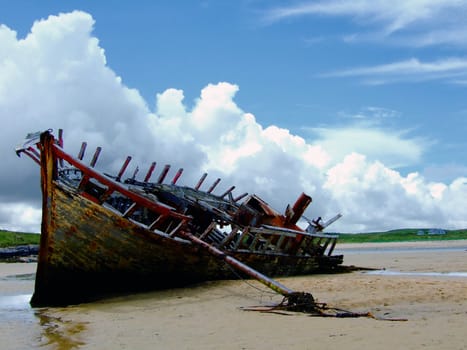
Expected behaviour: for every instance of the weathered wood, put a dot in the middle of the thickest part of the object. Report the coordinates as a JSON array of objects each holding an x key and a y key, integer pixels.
[
  {"x": 149, "y": 173},
  {"x": 163, "y": 174},
  {"x": 102, "y": 236},
  {"x": 123, "y": 168},
  {"x": 82, "y": 150},
  {"x": 213, "y": 186},
  {"x": 177, "y": 176},
  {"x": 201, "y": 180},
  {"x": 95, "y": 157}
]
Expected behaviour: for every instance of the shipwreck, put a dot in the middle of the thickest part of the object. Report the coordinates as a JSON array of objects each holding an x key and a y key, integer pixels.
[{"x": 104, "y": 234}]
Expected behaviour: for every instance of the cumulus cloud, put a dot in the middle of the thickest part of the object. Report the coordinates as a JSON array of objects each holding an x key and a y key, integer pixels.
[
  {"x": 390, "y": 198},
  {"x": 57, "y": 77}
]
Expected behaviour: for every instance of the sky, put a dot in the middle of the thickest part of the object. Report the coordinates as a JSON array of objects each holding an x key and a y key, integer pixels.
[{"x": 360, "y": 104}]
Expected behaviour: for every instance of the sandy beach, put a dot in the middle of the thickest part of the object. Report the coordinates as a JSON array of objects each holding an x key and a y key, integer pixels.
[{"x": 424, "y": 283}]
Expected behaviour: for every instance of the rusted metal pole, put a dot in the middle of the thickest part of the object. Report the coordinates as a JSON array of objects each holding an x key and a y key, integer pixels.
[
  {"x": 274, "y": 285},
  {"x": 299, "y": 207}
]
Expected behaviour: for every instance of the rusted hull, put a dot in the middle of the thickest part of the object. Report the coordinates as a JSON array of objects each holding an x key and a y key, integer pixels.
[
  {"x": 90, "y": 252},
  {"x": 102, "y": 235}
]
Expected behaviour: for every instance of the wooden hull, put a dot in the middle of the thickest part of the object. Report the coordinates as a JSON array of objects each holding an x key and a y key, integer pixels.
[
  {"x": 100, "y": 236},
  {"x": 92, "y": 252}
]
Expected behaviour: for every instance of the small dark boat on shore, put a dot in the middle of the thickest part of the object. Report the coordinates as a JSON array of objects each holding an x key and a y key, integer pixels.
[{"x": 105, "y": 234}]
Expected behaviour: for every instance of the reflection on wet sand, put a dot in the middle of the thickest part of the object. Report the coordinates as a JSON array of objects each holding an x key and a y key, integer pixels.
[
  {"x": 25, "y": 327},
  {"x": 57, "y": 332}
]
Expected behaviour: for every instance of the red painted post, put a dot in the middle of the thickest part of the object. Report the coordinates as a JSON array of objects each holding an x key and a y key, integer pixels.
[
  {"x": 236, "y": 199},
  {"x": 123, "y": 168},
  {"x": 201, "y": 180},
  {"x": 227, "y": 192},
  {"x": 163, "y": 174},
  {"x": 149, "y": 173},
  {"x": 96, "y": 156},
  {"x": 82, "y": 150},
  {"x": 177, "y": 176},
  {"x": 213, "y": 186}
]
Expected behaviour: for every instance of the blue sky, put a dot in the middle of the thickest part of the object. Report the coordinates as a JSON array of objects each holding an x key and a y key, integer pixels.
[{"x": 382, "y": 80}]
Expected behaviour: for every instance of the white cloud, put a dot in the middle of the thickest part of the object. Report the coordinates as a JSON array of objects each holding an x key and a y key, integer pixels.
[
  {"x": 20, "y": 217},
  {"x": 57, "y": 77},
  {"x": 452, "y": 36},
  {"x": 411, "y": 70},
  {"x": 392, "y": 148},
  {"x": 393, "y": 200},
  {"x": 402, "y": 23},
  {"x": 389, "y": 18}
]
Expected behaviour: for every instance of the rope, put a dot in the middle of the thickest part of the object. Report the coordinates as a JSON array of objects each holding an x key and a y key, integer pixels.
[{"x": 248, "y": 283}]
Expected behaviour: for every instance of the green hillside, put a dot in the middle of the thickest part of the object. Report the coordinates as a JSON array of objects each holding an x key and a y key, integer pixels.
[
  {"x": 9, "y": 239},
  {"x": 403, "y": 235}
]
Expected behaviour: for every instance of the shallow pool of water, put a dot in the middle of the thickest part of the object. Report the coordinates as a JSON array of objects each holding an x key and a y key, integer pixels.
[{"x": 417, "y": 273}]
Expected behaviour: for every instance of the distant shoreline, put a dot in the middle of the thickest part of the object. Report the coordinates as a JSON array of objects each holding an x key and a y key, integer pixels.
[
  {"x": 435, "y": 243},
  {"x": 19, "y": 253},
  {"x": 416, "y": 236}
]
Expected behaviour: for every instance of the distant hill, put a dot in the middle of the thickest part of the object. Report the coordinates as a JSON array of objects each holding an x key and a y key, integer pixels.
[
  {"x": 403, "y": 235},
  {"x": 11, "y": 239}
]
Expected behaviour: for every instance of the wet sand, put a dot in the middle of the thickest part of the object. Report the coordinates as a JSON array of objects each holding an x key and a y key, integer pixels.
[{"x": 210, "y": 316}]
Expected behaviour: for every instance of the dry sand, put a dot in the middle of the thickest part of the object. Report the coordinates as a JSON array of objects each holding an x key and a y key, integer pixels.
[{"x": 210, "y": 316}]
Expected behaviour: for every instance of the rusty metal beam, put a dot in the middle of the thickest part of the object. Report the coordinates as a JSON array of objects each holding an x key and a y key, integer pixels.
[
  {"x": 299, "y": 207},
  {"x": 269, "y": 282}
]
